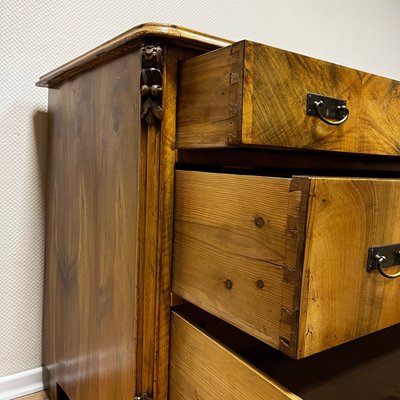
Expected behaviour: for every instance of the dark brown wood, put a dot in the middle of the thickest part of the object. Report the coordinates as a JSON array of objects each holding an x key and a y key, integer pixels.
[
  {"x": 92, "y": 232},
  {"x": 261, "y": 100},
  {"x": 151, "y": 83},
  {"x": 129, "y": 40}
]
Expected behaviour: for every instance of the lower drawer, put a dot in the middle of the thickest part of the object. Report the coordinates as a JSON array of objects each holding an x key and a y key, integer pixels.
[
  {"x": 285, "y": 259},
  {"x": 202, "y": 367}
]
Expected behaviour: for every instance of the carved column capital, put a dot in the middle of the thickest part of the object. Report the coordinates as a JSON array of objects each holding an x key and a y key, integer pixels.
[{"x": 151, "y": 83}]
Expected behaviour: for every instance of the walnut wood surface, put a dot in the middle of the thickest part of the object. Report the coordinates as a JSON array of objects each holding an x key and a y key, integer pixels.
[
  {"x": 92, "y": 231},
  {"x": 340, "y": 299},
  {"x": 270, "y": 110},
  {"x": 202, "y": 368},
  {"x": 129, "y": 40},
  {"x": 232, "y": 227}
]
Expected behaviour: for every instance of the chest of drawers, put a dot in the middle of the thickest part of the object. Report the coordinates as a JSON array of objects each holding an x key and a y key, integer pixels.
[{"x": 188, "y": 176}]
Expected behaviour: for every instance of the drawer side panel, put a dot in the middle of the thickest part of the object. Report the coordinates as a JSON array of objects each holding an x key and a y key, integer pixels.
[{"x": 229, "y": 248}]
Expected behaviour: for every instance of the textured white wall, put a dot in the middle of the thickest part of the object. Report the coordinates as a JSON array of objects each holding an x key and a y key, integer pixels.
[{"x": 37, "y": 36}]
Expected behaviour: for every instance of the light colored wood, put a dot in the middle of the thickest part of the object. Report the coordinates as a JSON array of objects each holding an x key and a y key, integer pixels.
[
  {"x": 293, "y": 268},
  {"x": 208, "y": 103},
  {"x": 217, "y": 239},
  {"x": 129, "y": 40},
  {"x": 201, "y": 368},
  {"x": 34, "y": 396},
  {"x": 310, "y": 254},
  {"x": 340, "y": 299},
  {"x": 270, "y": 108}
]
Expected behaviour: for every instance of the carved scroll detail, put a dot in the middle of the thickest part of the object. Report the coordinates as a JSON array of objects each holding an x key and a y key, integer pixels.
[{"x": 151, "y": 83}]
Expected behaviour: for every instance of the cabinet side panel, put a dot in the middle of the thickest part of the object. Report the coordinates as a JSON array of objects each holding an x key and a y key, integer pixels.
[
  {"x": 115, "y": 102},
  {"x": 71, "y": 342},
  {"x": 92, "y": 236}
]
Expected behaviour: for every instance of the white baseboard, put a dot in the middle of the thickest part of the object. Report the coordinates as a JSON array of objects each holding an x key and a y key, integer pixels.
[{"x": 21, "y": 384}]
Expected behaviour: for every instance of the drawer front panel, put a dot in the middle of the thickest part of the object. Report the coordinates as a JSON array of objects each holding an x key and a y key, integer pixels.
[
  {"x": 230, "y": 248},
  {"x": 202, "y": 368},
  {"x": 259, "y": 97},
  {"x": 341, "y": 300}
]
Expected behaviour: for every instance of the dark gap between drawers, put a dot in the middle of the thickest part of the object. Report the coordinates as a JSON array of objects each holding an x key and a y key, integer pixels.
[
  {"x": 286, "y": 163},
  {"x": 364, "y": 369}
]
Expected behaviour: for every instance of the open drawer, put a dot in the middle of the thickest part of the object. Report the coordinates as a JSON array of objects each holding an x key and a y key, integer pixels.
[
  {"x": 291, "y": 261},
  {"x": 204, "y": 367},
  {"x": 252, "y": 94}
]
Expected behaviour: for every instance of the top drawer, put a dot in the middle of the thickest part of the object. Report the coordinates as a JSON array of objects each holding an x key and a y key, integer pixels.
[{"x": 252, "y": 94}]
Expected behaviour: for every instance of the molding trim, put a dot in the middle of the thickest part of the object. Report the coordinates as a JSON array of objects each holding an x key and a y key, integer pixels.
[{"x": 21, "y": 384}]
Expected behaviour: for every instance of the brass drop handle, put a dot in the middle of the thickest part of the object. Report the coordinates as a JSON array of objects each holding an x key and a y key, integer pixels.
[
  {"x": 318, "y": 104},
  {"x": 380, "y": 260}
]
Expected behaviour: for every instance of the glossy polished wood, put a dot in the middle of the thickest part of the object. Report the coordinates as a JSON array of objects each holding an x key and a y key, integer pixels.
[
  {"x": 131, "y": 39},
  {"x": 345, "y": 218},
  {"x": 258, "y": 98},
  {"x": 92, "y": 232}
]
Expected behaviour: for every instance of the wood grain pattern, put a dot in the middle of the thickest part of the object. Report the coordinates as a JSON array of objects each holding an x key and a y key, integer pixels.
[
  {"x": 363, "y": 369},
  {"x": 340, "y": 299},
  {"x": 202, "y": 368},
  {"x": 131, "y": 39},
  {"x": 165, "y": 222},
  {"x": 208, "y": 99},
  {"x": 92, "y": 231},
  {"x": 157, "y": 185},
  {"x": 272, "y": 103},
  {"x": 232, "y": 228},
  {"x": 293, "y": 267},
  {"x": 309, "y": 252}
]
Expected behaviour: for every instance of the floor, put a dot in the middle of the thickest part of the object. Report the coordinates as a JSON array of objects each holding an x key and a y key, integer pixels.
[{"x": 35, "y": 396}]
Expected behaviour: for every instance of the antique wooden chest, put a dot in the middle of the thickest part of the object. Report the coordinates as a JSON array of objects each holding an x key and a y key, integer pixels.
[{"x": 222, "y": 223}]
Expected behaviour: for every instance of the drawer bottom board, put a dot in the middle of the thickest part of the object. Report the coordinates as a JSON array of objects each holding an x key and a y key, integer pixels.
[{"x": 212, "y": 360}]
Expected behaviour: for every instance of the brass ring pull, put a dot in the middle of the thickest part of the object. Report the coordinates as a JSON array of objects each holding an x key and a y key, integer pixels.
[
  {"x": 380, "y": 261},
  {"x": 318, "y": 104}
]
